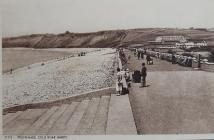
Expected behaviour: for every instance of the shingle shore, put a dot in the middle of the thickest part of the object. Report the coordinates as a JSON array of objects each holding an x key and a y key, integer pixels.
[{"x": 59, "y": 79}]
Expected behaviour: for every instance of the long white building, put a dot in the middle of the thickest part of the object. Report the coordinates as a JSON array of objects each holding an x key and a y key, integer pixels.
[
  {"x": 163, "y": 39},
  {"x": 188, "y": 45}
]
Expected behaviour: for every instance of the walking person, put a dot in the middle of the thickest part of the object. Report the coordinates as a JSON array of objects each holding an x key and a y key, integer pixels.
[
  {"x": 148, "y": 59},
  {"x": 138, "y": 55},
  {"x": 145, "y": 51},
  {"x": 173, "y": 59},
  {"x": 158, "y": 55},
  {"x": 143, "y": 75},
  {"x": 135, "y": 52},
  {"x": 142, "y": 55},
  {"x": 129, "y": 57},
  {"x": 119, "y": 84}
]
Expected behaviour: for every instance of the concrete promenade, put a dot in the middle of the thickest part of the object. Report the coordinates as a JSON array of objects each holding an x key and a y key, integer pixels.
[{"x": 179, "y": 100}]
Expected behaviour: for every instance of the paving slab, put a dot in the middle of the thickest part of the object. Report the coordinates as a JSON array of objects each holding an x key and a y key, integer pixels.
[
  {"x": 87, "y": 120},
  {"x": 10, "y": 117},
  {"x": 76, "y": 117},
  {"x": 10, "y": 125},
  {"x": 176, "y": 102},
  {"x": 100, "y": 122},
  {"x": 120, "y": 117},
  {"x": 25, "y": 121},
  {"x": 60, "y": 125},
  {"x": 36, "y": 126},
  {"x": 47, "y": 126}
]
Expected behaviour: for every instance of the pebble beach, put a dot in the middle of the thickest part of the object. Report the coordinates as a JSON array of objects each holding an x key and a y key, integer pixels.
[{"x": 59, "y": 79}]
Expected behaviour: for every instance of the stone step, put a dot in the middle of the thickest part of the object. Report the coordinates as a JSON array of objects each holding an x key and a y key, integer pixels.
[
  {"x": 25, "y": 120},
  {"x": 76, "y": 117},
  {"x": 120, "y": 117},
  {"x": 86, "y": 122},
  {"x": 49, "y": 123},
  {"x": 60, "y": 125},
  {"x": 36, "y": 126},
  {"x": 10, "y": 117},
  {"x": 6, "y": 115},
  {"x": 100, "y": 121},
  {"x": 14, "y": 121}
]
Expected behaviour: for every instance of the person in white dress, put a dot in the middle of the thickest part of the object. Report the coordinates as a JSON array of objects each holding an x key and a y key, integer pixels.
[{"x": 119, "y": 84}]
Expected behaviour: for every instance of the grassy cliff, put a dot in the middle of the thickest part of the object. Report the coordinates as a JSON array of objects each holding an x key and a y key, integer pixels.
[{"x": 103, "y": 39}]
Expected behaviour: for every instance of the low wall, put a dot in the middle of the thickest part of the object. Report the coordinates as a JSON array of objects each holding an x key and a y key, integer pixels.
[
  {"x": 194, "y": 64},
  {"x": 48, "y": 104},
  {"x": 207, "y": 66}
]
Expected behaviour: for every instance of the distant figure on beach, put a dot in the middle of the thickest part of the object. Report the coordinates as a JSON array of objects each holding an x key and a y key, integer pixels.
[
  {"x": 119, "y": 84},
  {"x": 143, "y": 75}
]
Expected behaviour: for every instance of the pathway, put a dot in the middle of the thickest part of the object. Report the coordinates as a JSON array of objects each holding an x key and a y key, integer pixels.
[{"x": 178, "y": 100}]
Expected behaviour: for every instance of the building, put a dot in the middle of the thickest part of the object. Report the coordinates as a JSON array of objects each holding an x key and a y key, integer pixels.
[
  {"x": 189, "y": 45},
  {"x": 168, "y": 40},
  {"x": 172, "y": 39}
]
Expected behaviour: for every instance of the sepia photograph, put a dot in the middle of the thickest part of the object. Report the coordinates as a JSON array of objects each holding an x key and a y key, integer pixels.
[{"x": 107, "y": 67}]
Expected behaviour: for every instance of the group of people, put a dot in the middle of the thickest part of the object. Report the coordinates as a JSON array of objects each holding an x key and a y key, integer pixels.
[
  {"x": 82, "y": 54},
  {"x": 123, "y": 77},
  {"x": 140, "y": 55},
  {"x": 149, "y": 61}
]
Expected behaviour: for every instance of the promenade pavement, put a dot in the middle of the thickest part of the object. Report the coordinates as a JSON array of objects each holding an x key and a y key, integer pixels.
[{"x": 178, "y": 100}]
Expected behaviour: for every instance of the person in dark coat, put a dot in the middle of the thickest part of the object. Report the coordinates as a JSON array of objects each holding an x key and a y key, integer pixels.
[
  {"x": 138, "y": 55},
  {"x": 142, "y": 55},
  {"x": 148, "y": 59},
  {"x": 143, "y": 75},
  {"x": 173, "y": 59}
]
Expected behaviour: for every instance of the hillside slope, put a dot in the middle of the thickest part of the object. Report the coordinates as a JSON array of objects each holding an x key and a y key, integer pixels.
[{"x": 102, "y": 39}]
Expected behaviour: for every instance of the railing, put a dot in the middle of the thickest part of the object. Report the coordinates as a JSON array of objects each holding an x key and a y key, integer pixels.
[
  {"x": 204, "y": 65},
  {"x": 207, "y": 66}
]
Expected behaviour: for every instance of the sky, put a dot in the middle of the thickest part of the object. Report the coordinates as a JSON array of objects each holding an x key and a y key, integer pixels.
[{"x": 23, "y": 17}]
